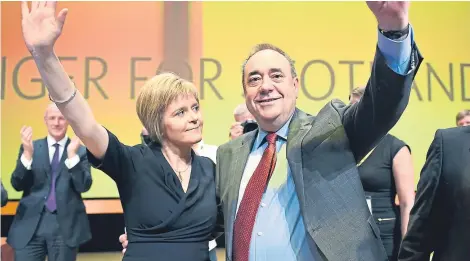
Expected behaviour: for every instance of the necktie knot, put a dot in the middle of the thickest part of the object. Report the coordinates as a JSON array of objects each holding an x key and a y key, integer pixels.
[
  {"x": 56, "y": 145},
  {"x": 271, "y": 138}
]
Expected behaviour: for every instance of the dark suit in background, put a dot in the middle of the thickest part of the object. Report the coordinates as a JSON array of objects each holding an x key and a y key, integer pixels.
[
  {"x": 37, "y": 232},
  {"x": 440, "y": 218},
  {"x": 4, "y": 195}
]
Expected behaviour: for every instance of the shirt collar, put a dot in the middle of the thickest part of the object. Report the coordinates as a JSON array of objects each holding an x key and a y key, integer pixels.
[
  {"x": 51, "y": 141},
  {"x": 282, "y": 133}
]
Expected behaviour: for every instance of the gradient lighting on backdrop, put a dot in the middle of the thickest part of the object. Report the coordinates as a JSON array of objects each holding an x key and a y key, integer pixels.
[{"x": 108, "y": 47}]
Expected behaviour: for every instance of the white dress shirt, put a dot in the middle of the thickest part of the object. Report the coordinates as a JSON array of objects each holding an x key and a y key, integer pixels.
[{"x": 70, "y": 163}]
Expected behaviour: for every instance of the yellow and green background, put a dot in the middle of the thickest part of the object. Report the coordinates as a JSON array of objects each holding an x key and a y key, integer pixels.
[{"x": 108, "y": 47}]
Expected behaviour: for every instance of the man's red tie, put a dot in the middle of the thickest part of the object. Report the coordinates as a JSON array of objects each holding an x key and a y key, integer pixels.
[{"x": 249, "y": 205}]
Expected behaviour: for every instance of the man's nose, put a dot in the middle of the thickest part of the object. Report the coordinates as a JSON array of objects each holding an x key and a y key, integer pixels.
[{"x": 267, "y": 85}]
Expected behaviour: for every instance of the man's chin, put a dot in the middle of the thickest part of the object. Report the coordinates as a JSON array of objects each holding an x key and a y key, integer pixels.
[
  {"x": 58, "y": 135},
  {"x": 269, "y": 116}
]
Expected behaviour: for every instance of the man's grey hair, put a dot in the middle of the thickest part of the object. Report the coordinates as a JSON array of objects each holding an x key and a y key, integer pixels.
[
  {"x": 50, "y": 106},
  {"x": 267, "y": 46}
]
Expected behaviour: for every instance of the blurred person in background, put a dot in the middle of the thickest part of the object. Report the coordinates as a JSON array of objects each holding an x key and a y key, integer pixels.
[
  {"x": 244, "y": 122},
  {"x": 386, "y": 175},
  {"x": 463, "y": 118},
  {"x": 52, "y": 172},
  {"x": 440, "y": 218}
]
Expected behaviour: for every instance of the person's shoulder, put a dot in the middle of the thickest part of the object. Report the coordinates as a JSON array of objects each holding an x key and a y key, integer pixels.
[
  {"x": 393, "y": 139},
  {"x": 40, "y": 140},
  {"x": 206, "y": 162},
  {"x": 334, "y": 109},
  {"x": 133, "y": 151},
  {"x": 238, "y": 142},
  {"x": 116, "y": 141},
  {"x": 302, "y": 115},
  {"x": 453, "y": 134},
  {"x": 143, "y": 149},
  {"x": 337, "y": 103},
  {"x": 203, "y": 158},
  {"x": 453, "y": 131}
]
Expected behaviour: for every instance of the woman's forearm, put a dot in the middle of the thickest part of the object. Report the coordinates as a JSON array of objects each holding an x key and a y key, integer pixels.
[{"x": 76, "y": 110}]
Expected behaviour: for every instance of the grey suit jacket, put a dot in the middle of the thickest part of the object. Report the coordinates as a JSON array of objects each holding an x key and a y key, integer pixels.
[
  {"x": 35, "y": 184},
  {"x": 322, "y": 153}
]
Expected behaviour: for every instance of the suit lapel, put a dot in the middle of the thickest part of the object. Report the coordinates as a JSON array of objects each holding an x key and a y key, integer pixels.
[
  {"x": 318, "y": 192},
  {"x": 239, "y": 159},
  {"x": 63, "y": 158},
  {"x": 43, "y": 156},
  {"x": 298, "y": 128},
  {"x": 306, "y": 133}
]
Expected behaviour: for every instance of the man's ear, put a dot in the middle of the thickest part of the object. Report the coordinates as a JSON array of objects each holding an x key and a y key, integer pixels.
[{"x": 296, "y": 86}]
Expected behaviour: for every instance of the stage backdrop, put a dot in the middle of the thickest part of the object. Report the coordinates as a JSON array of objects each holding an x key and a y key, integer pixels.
[{"x": 110, "y": 48}]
